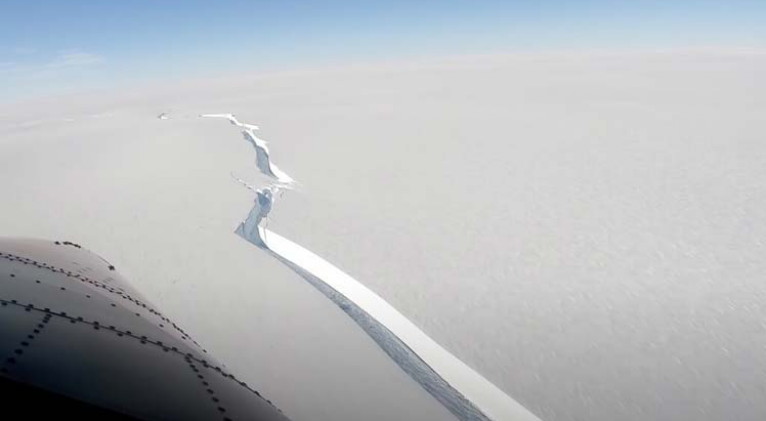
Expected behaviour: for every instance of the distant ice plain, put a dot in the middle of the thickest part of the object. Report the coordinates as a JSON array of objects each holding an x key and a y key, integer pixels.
[{"x": 584, "y": 230}]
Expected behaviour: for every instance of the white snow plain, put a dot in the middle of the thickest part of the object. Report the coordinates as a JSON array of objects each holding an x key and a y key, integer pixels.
[{"x": 584, "y": 230}]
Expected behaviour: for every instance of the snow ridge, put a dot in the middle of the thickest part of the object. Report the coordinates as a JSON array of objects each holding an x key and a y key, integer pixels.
[{"x": 464, "y": 392}]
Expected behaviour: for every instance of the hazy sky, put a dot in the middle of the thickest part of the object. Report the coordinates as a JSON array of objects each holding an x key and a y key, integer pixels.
[{"x": 56, "y": 46}]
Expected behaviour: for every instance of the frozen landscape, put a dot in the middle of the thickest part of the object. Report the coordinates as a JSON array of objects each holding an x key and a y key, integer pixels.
[
  {"x": 465, "y": 393},
  {"x": 585, "y": 231}
]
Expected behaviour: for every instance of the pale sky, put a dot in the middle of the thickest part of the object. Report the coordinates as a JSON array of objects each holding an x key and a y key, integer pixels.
[{"x": 49, "y": 47}]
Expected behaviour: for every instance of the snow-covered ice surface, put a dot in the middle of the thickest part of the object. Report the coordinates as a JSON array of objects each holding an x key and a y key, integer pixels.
[
  {"x": 586, "y": 231},
  {"x": 465, "y": 393},
  {"x": 157, "y": 200}
]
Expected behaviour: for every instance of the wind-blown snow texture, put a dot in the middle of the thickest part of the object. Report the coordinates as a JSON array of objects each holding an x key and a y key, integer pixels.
[
  {"x": 464, "y": 392},
  {"x": 597, "y": 252}
]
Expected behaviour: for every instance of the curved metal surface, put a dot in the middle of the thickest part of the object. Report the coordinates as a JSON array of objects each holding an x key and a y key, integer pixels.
[{"x": 71, "y": 325}]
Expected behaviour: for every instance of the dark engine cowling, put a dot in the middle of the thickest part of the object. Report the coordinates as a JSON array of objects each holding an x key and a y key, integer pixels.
[{"x": 78, "y": 342}]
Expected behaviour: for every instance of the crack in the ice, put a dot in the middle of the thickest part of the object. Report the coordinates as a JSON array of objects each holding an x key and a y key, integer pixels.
[
  {"x": 263, "y": 159},
  {"x": 264, "y": 200},
  {"x": 412, "y": 350}
]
